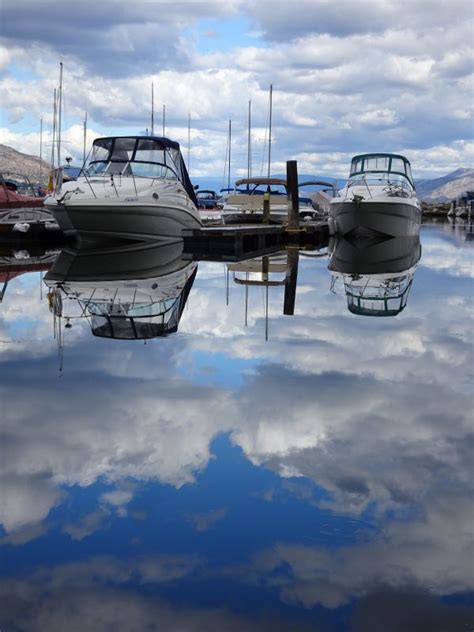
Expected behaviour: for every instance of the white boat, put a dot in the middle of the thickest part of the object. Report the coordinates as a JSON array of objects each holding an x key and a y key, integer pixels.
[
  {"x": 134, "y": 187},
  {"x": 126, "y": 292},
  {"x": 246, "y": 204},
  {"x": 374, "y": 274},
  {"x": 379, "y": 198}
]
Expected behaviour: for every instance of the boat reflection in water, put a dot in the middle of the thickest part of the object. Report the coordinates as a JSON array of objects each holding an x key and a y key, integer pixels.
[
  {"x": 375, "y": 275},
  {"x": 279, "y": 268},
  {"x": 127, "y": 292},
  {"x": 14, "y": 262}
]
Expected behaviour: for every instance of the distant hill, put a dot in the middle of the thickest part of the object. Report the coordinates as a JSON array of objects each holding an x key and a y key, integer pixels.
[
  {"x": 447, "y": 187},
  {"x": 15, "y": 161},
  {"x": 441, "y": 189}
]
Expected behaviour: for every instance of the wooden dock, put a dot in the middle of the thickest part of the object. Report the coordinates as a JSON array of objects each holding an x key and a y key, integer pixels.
[{"x": 233, "y": 243}]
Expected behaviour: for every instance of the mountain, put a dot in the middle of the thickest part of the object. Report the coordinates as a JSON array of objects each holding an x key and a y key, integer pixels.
[
  {"x": 442, "y": 189},
  {"x": 447, "y": 187},
  {"x": 15, "y": 161}
]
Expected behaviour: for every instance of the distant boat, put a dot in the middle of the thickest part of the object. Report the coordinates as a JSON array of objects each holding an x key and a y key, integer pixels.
[
  {"x": 375, "y": 274},
  {"x": 207, "y": 199},
  {"x": 246, "y": 204},
  {"x": 16, "y": 191},
  {"x": 134, "y": 187},
  {"x": 378, "y": 199}
]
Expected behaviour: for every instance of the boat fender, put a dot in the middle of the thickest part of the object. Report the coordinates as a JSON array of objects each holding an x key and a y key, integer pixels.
[
  {"x": 21, "y": 227},
  {"x": 332, "y": 226}
]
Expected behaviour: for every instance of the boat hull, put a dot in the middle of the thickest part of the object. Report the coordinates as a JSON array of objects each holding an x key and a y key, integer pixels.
[
  {"x": 394, "y": 219},
  {"x": 138, "y": 222}
]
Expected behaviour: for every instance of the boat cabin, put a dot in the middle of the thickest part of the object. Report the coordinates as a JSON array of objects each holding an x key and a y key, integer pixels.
[
  {"x": 140, "y": 157},
  {"x": 391, "y": 167}
]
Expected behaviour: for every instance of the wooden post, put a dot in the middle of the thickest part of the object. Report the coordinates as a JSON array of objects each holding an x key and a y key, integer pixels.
[
  {"x": 266, "y": 208},
  {"x": 290, "y": 282},
  {"x": 293, "y": 204}
]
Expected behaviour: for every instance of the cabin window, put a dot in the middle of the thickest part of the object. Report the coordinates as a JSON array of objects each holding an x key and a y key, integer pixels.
[
  {"x": 96, "y": 167},
  {"x": 376, "y": 163},
  {"x": 123, "y": 149},
  {"x": 150, "y": 151},
  {"x": 398, "y": 165},
  {"x": 101, "y": 149}
]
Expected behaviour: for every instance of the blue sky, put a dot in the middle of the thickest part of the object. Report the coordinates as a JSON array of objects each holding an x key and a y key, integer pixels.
[{"x": 348, "y": 77}]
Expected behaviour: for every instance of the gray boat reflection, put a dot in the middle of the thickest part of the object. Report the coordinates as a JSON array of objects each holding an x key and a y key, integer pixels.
[
  {"x": 375, "y": 275},
  {"x": 127, "y": 292}
]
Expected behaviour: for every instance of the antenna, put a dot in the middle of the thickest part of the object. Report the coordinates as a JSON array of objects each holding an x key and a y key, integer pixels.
[{"x": 164, "y": 118}]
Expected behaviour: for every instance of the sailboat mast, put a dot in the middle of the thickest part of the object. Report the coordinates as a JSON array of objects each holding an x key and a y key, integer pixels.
[
  {"x": 270, "y": 131},
  {"x": 230, "y": 144},
  {"x": 189, "y": 142},
  {"x": 152, "y": 110},
  {"x": 41, "y": 152},
  {"x": 84, "y": 140},
  {"x": 60, "y": 100},
  {"x": 53, "y": 146},
  {"x": 249, "y": 152}
]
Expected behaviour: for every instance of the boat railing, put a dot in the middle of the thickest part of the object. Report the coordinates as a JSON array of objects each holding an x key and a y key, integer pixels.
[{"x": 394, "y": 186}]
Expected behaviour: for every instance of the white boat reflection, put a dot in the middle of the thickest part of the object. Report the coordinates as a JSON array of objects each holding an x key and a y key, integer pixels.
[
  {"x": 126, "y": 292},
  {"x": 375, "y": 275}
]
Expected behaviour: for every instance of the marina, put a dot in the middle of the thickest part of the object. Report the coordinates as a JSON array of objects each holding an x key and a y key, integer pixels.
[{"x": 236, "y": 317}]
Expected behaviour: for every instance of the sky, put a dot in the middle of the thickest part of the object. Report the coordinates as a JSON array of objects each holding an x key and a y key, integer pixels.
[{"x": 348, "y": 77}]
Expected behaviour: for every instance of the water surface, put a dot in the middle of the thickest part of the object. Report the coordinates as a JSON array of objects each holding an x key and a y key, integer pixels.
[{"x": 251, "y": 470}]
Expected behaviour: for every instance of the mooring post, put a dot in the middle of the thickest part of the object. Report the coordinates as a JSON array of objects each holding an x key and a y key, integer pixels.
[
  {"x": 266, "y": 208},
  {"x": 293, "y": 202},
  {"x": 290, "y": 281}
]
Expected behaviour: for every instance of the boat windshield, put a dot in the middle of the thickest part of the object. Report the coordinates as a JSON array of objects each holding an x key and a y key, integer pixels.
[
  {"x": 134, "y": 321},
  {"x": 142, "y": 157},
  {"x": 368, "y": 297},
  {"x": 391, "y": 164}
]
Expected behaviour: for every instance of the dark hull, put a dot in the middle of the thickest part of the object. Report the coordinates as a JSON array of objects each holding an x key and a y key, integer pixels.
[
  {"x": 393, "y": 219},
  {"x": 133, "y": 223}
]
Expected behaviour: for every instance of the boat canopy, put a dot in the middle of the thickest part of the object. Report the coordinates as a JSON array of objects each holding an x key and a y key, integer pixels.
[
  {"x": 140, "y": 156},
  {"x": 262, "y": 181},
  {"x": 381, "y": 163}
]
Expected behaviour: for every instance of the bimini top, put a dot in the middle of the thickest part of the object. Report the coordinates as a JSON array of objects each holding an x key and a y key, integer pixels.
[
  {"x": 381, "y": 163},
  {"x": 141, "y": 156}
]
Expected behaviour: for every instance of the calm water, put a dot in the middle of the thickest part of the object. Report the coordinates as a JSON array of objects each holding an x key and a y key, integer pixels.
[{"x": 253, "y": 471}]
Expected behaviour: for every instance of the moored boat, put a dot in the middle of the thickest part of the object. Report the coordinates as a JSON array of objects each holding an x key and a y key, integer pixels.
[
  {"x": 16, "y": 191},
  {"x": 378, "y": 199},
  {"x": 134, "y": 187}
]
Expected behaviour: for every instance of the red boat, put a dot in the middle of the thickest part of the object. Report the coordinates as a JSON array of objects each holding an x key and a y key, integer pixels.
[{"x": 16, "y": 191}]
